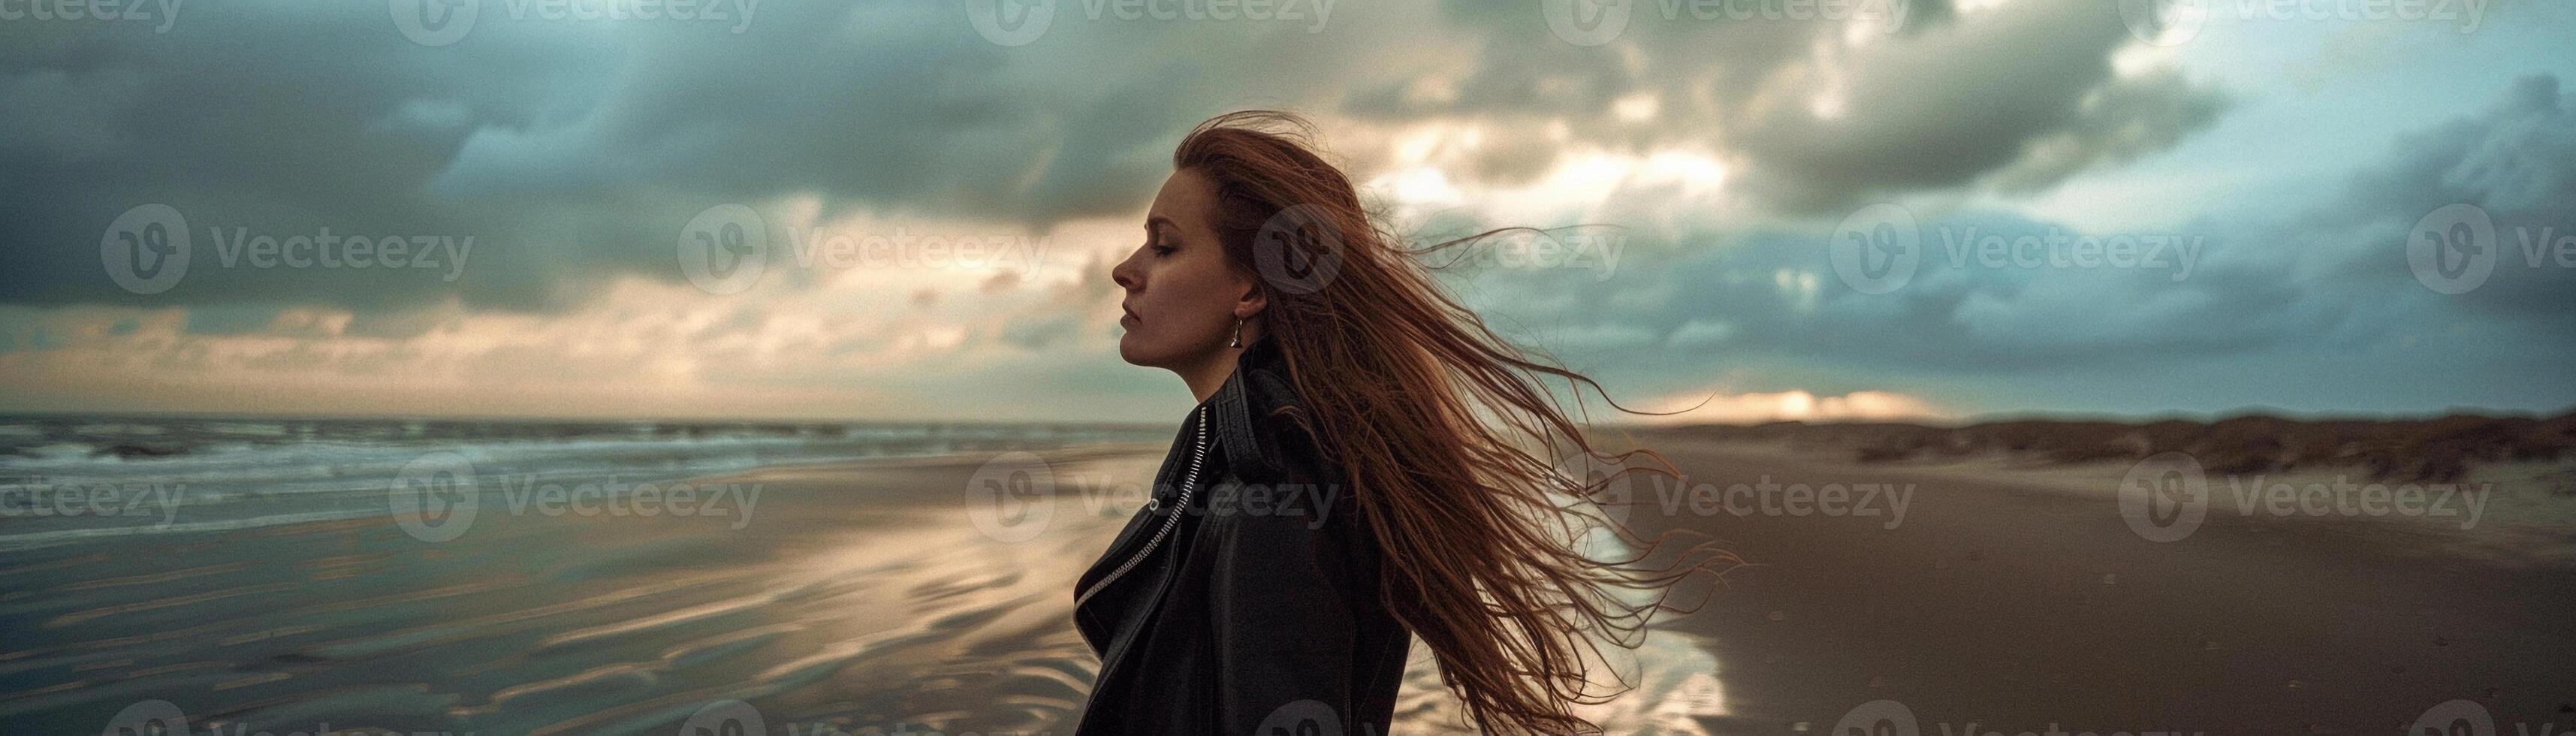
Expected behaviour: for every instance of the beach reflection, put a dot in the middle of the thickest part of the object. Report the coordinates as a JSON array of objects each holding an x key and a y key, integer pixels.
[{"x": 850, "y": 597}]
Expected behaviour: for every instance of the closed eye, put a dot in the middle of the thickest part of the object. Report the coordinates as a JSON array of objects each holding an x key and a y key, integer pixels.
[{"x": 1158, "y": 237}]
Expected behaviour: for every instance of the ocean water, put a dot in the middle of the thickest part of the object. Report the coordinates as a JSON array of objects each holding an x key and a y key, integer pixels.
[
  {"x": 69, "y": 479},
  {"x": 254, "y": 575},
  {"x": 215, "y": 575}
]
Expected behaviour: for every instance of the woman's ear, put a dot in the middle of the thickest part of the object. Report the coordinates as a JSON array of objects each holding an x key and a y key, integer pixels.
[{"x": 1251, "y": 303}]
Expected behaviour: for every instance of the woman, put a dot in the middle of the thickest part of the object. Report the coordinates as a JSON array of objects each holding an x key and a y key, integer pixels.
[{"x": 1354, "y": 475}]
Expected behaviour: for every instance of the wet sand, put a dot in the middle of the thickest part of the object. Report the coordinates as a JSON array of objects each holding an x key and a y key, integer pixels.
[
  {"x": 875, "y": 597},
  {"x": 852, "y": 597},
  {"x": 885, "y": 596},
  {"x": 2017, "y": 597}
]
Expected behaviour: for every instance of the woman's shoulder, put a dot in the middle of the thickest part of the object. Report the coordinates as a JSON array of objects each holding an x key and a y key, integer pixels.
[
  {"x": 1271, "y": 443},
  {"x": 1284, "y": 502},
  {"x": 1262, "y": 424}
]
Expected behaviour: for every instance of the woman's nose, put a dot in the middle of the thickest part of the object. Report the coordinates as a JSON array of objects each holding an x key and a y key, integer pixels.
[{"x": 1124, "y": 274}]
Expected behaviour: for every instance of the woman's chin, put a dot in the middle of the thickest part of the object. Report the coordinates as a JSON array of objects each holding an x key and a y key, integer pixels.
[
  {"x": 1129, "y": 350},
  {"x": 1142, "y": 352}
]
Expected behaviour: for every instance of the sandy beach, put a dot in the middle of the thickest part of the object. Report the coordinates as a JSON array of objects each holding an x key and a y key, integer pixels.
[
  {"x": 889, "y": 595},
  {"x": 856, "y": 597},
  {"x": 931, "y": 591},
  {"x": 743, "y": 368},
  {"x": 2016, "y": 597}
]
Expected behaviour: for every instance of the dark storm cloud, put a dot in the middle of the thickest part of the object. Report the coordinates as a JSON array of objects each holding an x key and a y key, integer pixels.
[
  {"x": 2515, "y": 163},
  {"x": 573, "y": 152},
  {"x": 2019, "y": 98},
  {"x": 570, "y": 153},
  {"x": 2275, "y": 292}
]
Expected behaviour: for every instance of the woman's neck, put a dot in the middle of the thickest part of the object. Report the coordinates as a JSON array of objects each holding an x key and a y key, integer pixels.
[
  {"x": 1205, "y": 378},
  {"x": 1209, "y": 374}
]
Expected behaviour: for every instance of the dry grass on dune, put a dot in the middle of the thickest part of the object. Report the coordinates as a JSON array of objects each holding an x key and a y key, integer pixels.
[{"x": 2441, "y": 449}]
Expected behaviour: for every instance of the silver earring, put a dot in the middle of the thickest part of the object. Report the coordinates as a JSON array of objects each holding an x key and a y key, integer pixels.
[{"x": 1238, "y": 333}]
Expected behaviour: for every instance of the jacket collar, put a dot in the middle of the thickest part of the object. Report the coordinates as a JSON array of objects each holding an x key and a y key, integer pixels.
[{"x": 1258, "y": 388}]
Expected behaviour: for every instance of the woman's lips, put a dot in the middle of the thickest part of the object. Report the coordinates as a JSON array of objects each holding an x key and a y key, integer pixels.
[{"x": 1128, "y": 316}]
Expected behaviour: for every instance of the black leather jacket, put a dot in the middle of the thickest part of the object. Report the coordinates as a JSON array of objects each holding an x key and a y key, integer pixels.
[{"x": 1258, "y": 612}]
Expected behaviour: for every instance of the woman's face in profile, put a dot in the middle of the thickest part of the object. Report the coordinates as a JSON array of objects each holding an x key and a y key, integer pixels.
[{"x": 1180, "y": 295}]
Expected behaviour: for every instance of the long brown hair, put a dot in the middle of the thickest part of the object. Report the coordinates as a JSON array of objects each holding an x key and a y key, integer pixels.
[{"x": 1454, "y": 443}]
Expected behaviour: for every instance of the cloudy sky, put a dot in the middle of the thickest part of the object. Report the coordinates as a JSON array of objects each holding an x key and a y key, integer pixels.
[{"x": 907, "y": 210}]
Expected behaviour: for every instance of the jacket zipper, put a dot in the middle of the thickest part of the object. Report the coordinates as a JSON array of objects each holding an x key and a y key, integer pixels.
[{"x": 1189, "y": 484}]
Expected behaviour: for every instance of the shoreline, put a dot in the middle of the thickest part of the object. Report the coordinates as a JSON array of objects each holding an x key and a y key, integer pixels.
[
  {"x": 2020, "y": 597},
  {"x": 875, "y": 593}
]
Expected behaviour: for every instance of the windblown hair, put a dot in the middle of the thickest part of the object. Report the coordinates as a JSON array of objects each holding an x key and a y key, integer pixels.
[{"x": 1456, "y": 448}]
